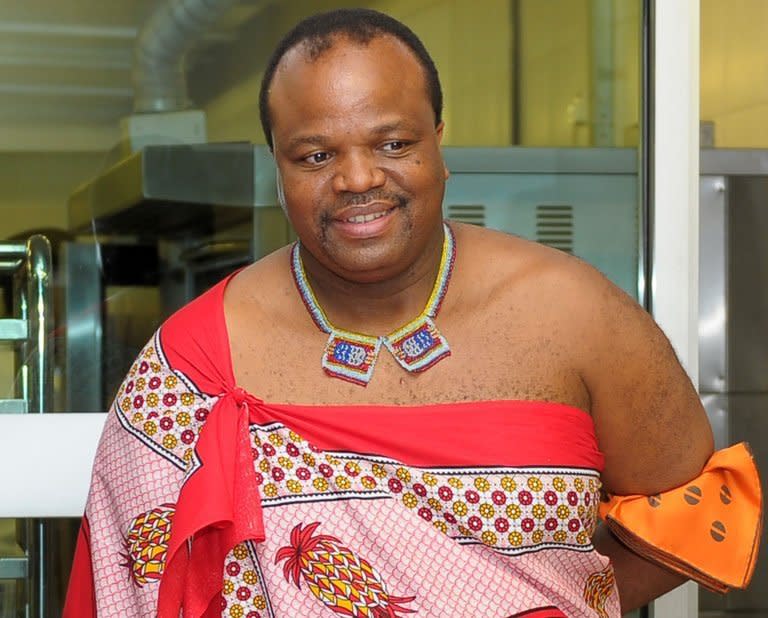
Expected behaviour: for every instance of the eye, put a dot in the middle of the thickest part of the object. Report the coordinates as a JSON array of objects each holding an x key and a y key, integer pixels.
[
  {"x": 394, "y": 146},
  {"x": 317, "y": 158}
]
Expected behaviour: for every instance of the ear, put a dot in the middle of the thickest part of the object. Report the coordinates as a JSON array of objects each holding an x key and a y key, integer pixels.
[
  {"x": 439, "y": 131},
  {"x": 280, "y": 190}
]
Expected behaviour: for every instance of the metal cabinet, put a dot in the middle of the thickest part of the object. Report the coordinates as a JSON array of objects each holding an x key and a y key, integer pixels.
[{"x": 733, "y": 326}]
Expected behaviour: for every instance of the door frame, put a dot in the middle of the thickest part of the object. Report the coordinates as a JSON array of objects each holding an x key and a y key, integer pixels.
[{"x": 674, "y": 203}]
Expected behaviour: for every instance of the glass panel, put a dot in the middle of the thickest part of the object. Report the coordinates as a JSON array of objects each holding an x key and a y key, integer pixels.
[
  {"x": 542, "y": 110},
  {"x": 733, "y": 54},
  {"x": 578, "y": 68}
]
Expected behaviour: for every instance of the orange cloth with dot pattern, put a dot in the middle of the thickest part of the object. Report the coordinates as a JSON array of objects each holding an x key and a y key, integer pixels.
[{"x": 708, "y": 529}]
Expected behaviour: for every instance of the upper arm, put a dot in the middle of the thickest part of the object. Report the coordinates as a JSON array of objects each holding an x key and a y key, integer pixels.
[{"x": 649, "y": 421}]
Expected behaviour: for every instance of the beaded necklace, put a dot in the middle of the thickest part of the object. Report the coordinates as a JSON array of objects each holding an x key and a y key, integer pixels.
[{"x": 417, "y": 346}]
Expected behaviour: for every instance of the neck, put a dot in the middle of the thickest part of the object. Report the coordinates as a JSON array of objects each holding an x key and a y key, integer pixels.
[{"x": 379, "y": 306}]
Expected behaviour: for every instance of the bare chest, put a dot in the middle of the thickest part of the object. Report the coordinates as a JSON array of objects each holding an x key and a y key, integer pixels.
[{"x": 493, "y": 357}]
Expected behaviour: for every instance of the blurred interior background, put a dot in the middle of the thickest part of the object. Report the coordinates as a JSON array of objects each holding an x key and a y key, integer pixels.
[{"x": 149, "y": 194}]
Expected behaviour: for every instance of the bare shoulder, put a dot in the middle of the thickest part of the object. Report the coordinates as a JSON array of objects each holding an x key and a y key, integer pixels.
[
  {"x": 525, "y": 272},
  {"x": 562, "y": 287},
  {"x": 648, "y": 418},
  {"x": 260, "y": 289}
]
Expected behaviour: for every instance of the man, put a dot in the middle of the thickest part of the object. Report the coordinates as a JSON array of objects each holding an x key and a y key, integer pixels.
[{"x": 450, "y": 397}]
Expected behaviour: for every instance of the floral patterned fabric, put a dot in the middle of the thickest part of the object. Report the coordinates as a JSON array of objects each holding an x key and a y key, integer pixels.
[{"x": 207, "y": 501}]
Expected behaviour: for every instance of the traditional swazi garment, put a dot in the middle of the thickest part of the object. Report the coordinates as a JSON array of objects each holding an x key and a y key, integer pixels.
[{"x": 207, "y": 501}]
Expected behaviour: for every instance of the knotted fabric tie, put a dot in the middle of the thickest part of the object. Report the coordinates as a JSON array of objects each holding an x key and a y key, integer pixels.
[{"x": 218, "y": 507}]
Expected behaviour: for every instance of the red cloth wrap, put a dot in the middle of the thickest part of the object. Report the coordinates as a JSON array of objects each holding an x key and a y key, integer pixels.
[{"x": 218, "y": 507}]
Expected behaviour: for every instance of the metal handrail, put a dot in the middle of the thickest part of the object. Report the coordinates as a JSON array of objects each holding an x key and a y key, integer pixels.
[
  {"x": 14, "y": 568},
  {"x": 39, "y": 389},
  {"x": 30, "y": 264},
  {"x": 40, "y": 360},
  {"x": 13, "y": 250}
]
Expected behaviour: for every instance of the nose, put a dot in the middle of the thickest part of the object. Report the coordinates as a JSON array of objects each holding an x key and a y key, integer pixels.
[{"x": 358, "y": 172}]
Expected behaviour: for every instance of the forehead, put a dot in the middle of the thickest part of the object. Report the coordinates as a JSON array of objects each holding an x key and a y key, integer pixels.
[{"x": 346, "y": 76}]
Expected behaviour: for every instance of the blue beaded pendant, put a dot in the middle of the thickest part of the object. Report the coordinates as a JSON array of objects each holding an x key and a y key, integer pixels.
[
  {"x": 417, "y": 346},
  {"x": 351, "y": 357}
]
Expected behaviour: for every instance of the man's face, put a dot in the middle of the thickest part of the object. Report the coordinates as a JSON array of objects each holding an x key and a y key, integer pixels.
[{"x": 358, "y": 152}]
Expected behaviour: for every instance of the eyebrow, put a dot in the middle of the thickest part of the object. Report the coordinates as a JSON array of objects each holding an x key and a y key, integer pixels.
[
  {"x": 322, "y": 140},
  {"x": 391, "y": 127},
  {"x": 307, "y": 140}
]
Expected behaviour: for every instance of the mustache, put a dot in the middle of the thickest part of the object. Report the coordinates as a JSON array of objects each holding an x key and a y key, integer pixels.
[
  {"x": 375, "y": 195},
  {"x": 356, "y": 199}
]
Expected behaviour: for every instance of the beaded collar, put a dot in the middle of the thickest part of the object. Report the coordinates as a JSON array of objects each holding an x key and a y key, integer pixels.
[{"x": 417, "y": 346}]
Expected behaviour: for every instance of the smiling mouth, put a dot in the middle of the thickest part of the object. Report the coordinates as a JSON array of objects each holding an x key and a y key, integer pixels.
[{"x": 369, "y": 217}]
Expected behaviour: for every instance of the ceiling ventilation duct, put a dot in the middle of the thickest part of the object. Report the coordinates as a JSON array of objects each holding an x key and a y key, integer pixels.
[
  {"x": 162, "y": 113},
  {"x": 159, "y": 76},
  {"x": 171, "y": 181}
]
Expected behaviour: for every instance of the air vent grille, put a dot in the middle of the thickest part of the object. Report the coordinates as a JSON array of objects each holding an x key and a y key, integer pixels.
[
  {"x": 467, "y": 213},
  {"x": 554, "y": 226}
]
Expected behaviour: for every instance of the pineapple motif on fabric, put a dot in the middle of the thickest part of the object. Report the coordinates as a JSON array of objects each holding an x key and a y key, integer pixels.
[
  {"x": 598, "y": 588},
  {"x": 146, "y": 544},
  {"x": 344, "y": 582}
]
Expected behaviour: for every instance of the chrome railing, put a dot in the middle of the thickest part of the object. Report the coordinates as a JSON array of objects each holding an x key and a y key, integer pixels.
[{"x": 29, "y": 266}]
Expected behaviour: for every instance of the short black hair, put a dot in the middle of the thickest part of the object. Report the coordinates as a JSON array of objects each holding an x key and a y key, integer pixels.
[{"x": 359, "y": 25}]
